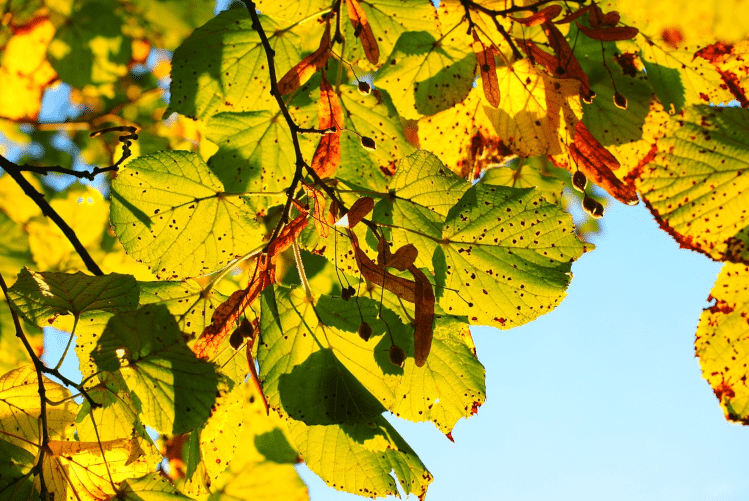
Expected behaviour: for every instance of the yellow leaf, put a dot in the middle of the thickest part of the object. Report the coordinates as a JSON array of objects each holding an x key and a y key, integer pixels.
[{"x": 538, "y": 114}]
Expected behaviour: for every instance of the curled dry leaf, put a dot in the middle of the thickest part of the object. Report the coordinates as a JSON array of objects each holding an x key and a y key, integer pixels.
[
  {"x": 403, "y": 258},
  {"x": 423, "y": 316},
  {"x": 287, "y": 236},
  {"x": 571, "y": 67},
  {"x": 307, "y": 67},
  {"x": 318, "y": 216},
  {"x": 488, "y": 70},
  {"x": 540, "y": 17},
  {"x": 611, "y": 34},
  {"x": 327, "y": 156},
  {"x": 404, "y": 289},
  {"x": 356, "y": 213},
  {"x": 363, "y": 30},
  {"x": 229, "y": 311},
  {"x": 574, "y": 15},
  {"x": 596, "y": 163}
]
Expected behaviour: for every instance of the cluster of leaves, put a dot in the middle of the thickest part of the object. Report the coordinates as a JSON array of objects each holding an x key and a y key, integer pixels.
[{"x": 346, "y": 187}]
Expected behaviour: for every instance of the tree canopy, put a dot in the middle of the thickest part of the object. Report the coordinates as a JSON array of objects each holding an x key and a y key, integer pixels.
[{"x": 264, "y": 229}]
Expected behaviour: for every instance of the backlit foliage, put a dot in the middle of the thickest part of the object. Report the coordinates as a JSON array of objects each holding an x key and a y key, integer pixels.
[{"x": 294, "y": 240}]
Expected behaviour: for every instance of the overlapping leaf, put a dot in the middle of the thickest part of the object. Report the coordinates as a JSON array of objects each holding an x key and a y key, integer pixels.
[
  {"x": 450, "y": 386},
  {"x": 313, "y": 365},
  {"x": 150, "y": 487},
  {"x": 365, "y": 454},
  {"x": 721, "y": 343},
  {"x": 170, "y": 212},
  {"x": 697, "y": 185},
  {"x": 425, "y": 76},
  {"x": 173, "y": 390},
  {"x": 221, "y": 65}
]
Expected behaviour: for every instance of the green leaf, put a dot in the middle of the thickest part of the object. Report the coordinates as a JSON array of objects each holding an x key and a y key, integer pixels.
[
  {"x": 389, "y": 19},
  {"x": 697, "y": 185},
  {"x": 14, "y": 246},
  {"x": 425, "y": 76},
  {"x": 255, "y": 154},
  {"x": 528, "y": 173},
  {"x": 172, "y": 213},
  {"x": 173, "y": 389},
  {"x": 291, "y": 10},
  {"x": 365, "y": 454},
  {"x": 92, "y": 50},
  {"x": 238, "y": 81},
  {"x": 452, "y": 383},
  {"x": 151, "y": 487},
  {"x": 167, "y": 22},
  {"x": 219, "y": 435},
  {"x": 41, "y": 297},
  {"x": 16, "y": 463},
  {"x": 721, "y": 343},
  {"x": 313, "y": 365}
]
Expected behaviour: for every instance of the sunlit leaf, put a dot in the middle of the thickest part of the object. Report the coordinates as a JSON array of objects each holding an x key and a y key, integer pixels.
[
  {"x": 151, "y": 487},
  {"x": 173, "y": 390},
  {"x": 721, "y": 343},
  {"x": 170, "y": 212},
  {"x": 365, "y": 455},
  {"x": 696, "y": 186}
]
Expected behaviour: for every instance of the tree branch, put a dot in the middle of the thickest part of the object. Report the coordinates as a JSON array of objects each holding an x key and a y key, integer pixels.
[{"x": 14, "y": 171}]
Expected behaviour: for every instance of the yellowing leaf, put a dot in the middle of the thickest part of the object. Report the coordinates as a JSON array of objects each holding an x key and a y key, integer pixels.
[
  {"x": 25, "y": 70},
  {"x": 539, "y": 112},
  {"x": 721, "y": 343}
]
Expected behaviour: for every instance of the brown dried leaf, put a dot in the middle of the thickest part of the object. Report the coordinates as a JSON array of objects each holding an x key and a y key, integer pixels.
[
  {"x": 299, "y": 74},
  {"x": 423, "y": 316},
  {"x": 610, "y": 18},
  {"x": 318, "y": 215},
  {"x": 356, "y": 213},
  {"x": 488, "y": 69},
  {"x": 327, "y": 156},
  {"x": 403, "y": 258},
  {"x": 540, "y": 17},
  {"x": 596, "y": 163},
  {"x": 229, "y": 311},
  {"x": 363, "y": 30},
  {"x": 571, "y": 17},
  {"x": 571, "y": 67},
  {"x": 404, "y": 289},
  {"x": 612, "y": 34},
  {"x": 287, "y": 236}
]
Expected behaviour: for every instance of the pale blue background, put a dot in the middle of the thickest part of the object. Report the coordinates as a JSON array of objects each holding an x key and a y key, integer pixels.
[{"x": 602, "y": 399}]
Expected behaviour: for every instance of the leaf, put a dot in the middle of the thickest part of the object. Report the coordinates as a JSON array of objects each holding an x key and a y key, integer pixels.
[
  {"x": 539, "y": 112},
  {"x": 25, "y": 70},
  {"x": 291, "y": 10},
  {"x": 171, "y": 213},
  {"x": 450, "y": 386},
  {"x": 721, "y": 342},
  {"x": 363, "y": 31},
  {"x": 365, "y": 455},
  {"x": 304, "y": 69},
  {"x": 425, "y": 76},
  {"x": 229, "y": 311},
  {"x": 235, "y": 82},
  {"x": 219, "y": 436},
  {"x": 609, "y": 34},
  {"x": 528, "y": 173},
  {"x": 41, "y": 297},
  {"x": 151, "y": 487},
  {"x": 327, "y": 156},
  {"x": 488, "y": 70},
  {"x": 313, "y": 365},
  {"x": 597, "y": 164},
  {"x": 255, "y": 154},
  {"x": 358, "y": 211},
  {"x": 173, "y": 390},
  {"x": 14, "y": 246},
  {"x": 93, "y": 50},
  {"x": 423, "y": 315},
  {"x": 571, "y": 67},
  {"x": 730, "y": 62},
  {"x": 696, "y": 185}
]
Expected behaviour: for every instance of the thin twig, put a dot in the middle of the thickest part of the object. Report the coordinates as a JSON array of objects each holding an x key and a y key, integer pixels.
[{"x": 14, "y": 171}]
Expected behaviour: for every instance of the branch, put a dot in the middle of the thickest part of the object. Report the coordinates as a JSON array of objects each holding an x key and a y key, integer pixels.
[
  {"x": 90, "y": 175},
  {"x": 293, "y": 127},
  {"x": 14, "y": 171}
]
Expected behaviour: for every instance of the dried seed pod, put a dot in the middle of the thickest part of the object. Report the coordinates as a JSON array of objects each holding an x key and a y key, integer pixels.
[
  {"x": 598, "y": 210},
  {"x": 397, "y": 355},
  {"x": 365, "y": 331},
  {"x": 620, "y": 101},
  {"x": 351, "y": 290},
  {"x": 368, "y": 143},
  {"x": 592, "y": 207},
  {"x": 579, "y": 181},
  {"x": 346, "y": 293},
  {"x": 364, "y": 88},
  {"x": 236, "y": 339}
]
